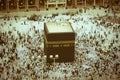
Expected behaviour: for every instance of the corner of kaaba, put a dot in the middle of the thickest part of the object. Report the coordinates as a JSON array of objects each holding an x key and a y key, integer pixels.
[{"x": 59, "y": 39}]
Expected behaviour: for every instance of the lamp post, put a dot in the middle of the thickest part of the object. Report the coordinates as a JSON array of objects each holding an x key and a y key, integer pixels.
[
  {"x": 43, "y": 58},
  {"x": 54, "y": 58}
]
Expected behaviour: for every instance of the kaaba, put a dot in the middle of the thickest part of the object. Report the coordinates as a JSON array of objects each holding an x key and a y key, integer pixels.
[{"x": 59, "y": 39}]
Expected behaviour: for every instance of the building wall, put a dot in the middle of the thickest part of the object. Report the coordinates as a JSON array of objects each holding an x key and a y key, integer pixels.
[{"x": 9, "y": 5}]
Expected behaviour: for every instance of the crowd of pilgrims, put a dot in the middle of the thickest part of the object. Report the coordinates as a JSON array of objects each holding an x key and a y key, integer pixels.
[{"x": 97, "y": 48}]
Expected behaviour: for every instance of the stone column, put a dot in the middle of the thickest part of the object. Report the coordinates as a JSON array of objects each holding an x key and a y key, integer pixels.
[
  {"x": 56, "y": 4},
  {"x": 26, "y": 5},
  {"x": 7, "y": 6},
  {"x": 82, "y": 3},
  {"x": 76, "y": 3},
  {"x": 103, "y": 2},
  {"x": 85, "y": 3},
  {"x": 17, "y": 5},
  {"x": 94, "y": 2},
  {"x": 37, "y": 4},
  {"x": 65, "y": 3},
  {"x": 47, "y": 4}
]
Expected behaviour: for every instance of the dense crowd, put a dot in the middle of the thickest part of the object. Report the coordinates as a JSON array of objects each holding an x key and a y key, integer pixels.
[{"x": 97, "y": 48}]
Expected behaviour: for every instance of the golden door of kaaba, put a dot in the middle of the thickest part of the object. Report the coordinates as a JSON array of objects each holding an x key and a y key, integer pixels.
[{"x": 59, "y": 39}]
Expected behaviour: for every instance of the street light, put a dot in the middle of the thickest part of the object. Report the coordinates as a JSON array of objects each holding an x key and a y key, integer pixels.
[
  {"x": 43, "y": 58},
  {"x": 54, "y": 58}
]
